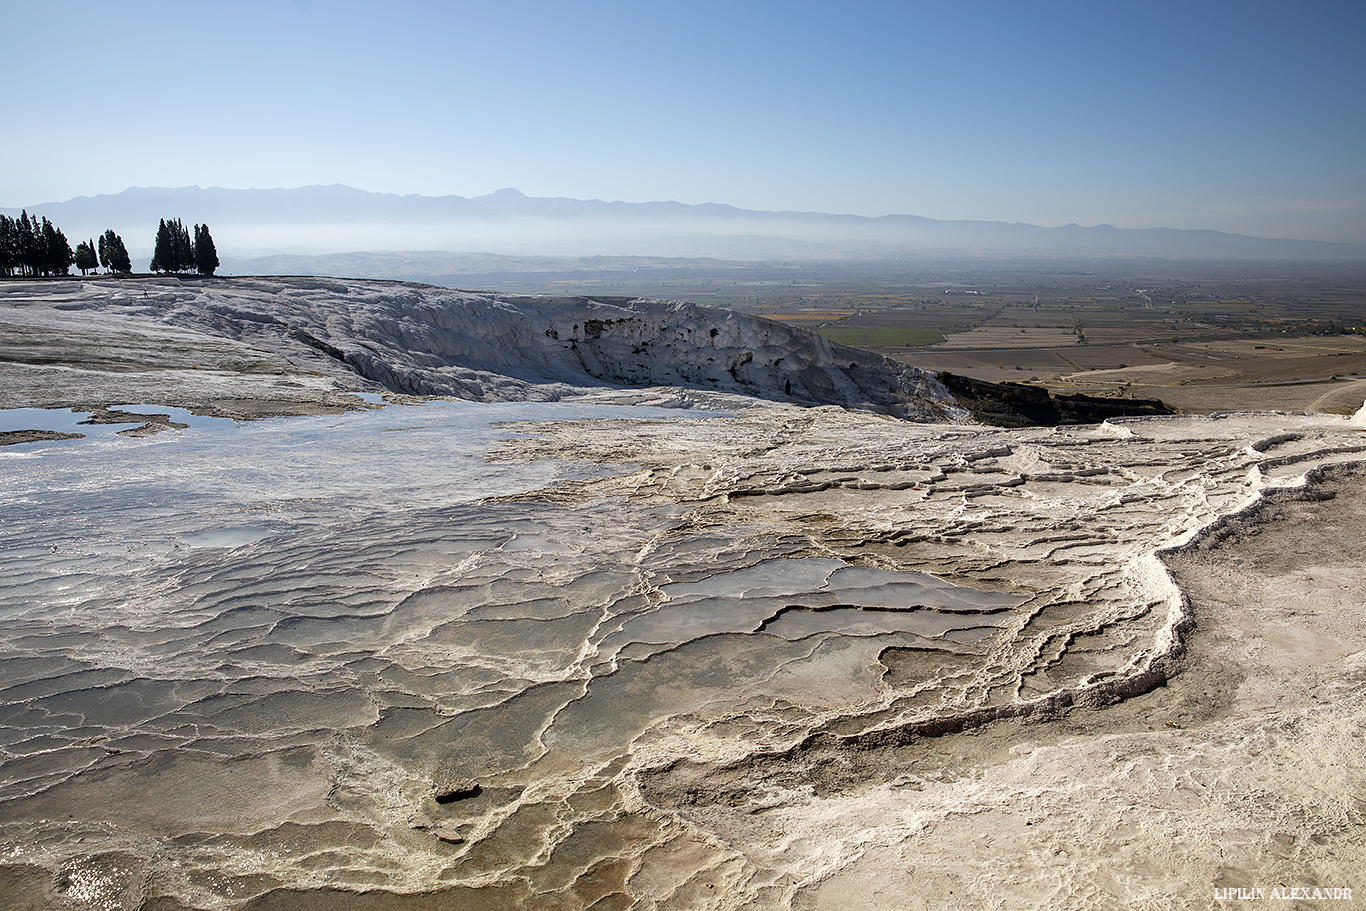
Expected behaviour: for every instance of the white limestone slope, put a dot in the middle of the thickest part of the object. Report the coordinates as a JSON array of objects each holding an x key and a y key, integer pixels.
[
  {"x": 478, "y": 346},
  {"x": 690, "y": 660}
]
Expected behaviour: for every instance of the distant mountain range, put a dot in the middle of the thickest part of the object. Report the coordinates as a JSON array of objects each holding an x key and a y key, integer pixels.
[{"x": 334, "y": 219}]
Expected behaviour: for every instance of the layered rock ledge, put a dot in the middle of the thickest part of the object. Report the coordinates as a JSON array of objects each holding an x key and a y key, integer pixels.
[{"x": 217, "y": 342}]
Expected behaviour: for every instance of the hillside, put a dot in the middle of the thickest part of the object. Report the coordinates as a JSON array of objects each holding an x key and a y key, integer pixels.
[{"x": 153, "y": 337}]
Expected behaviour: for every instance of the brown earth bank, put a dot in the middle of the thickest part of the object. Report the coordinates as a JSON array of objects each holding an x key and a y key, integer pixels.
[
  {"x": 1324, "y": 374},
  {"x": 1019, "y": 405}
]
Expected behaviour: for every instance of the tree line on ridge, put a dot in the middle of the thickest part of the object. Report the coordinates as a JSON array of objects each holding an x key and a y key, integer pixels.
[{"x": 29, "y": 247}]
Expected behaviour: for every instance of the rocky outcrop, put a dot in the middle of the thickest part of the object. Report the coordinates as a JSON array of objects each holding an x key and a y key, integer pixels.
[
  {"x": 1018, "y": 405},
  {"x": 425, "y": 340}
]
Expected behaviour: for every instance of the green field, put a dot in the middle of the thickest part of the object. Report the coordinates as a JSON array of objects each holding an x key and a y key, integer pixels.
[{"x": 883, "y": 336}]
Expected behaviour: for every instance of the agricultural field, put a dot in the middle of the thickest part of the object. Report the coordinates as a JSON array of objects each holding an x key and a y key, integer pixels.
[
  {"x": 1200, "y": 336},
  {"x": 1202, "y": 339}
]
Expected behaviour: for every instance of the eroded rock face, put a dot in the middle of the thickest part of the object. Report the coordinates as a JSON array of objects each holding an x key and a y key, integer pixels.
[
  {"x": 655, "y": 641},
  {"x": 1018, "y": 405},
  {"x": 425, "y": 340}
]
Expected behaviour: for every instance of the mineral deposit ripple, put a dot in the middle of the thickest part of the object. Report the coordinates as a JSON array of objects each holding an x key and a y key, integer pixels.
[{"x": 228, "y": 720}]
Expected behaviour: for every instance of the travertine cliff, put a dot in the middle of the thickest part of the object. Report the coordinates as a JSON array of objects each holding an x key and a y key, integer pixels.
[{"x": 424, "y": 340}]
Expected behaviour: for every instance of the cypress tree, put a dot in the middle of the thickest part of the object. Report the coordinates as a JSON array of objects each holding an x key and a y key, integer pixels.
[
  {"x": 30, "y": 244},
  {"x": 119, "y": 260},
  {"x": 174, "y": 252},
  {"x": 85, "y": 256},
  {"x": 46, "y": 250},
  {"x": 37, "y": 248},
  {"x": 205, "y": 254},
  {"x": 161, "y": 253},
  {"x": 177, "y": 241},
  {"x": 9, "y": 245},
  {"x": 184, "y": 251},
  {"x": 62, "y": 255},
  {"x": 55, "y": 256},
  {"x": 104, "y": 251},
  {"x": 177, "y": 254}
]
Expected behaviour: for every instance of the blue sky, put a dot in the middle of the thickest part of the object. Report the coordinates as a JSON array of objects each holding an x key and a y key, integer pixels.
[{"x": 1246, "y": 117}]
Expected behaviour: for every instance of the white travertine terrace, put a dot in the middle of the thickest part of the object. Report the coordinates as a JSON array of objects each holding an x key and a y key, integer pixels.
[
  {"x": 278, "y": 338},
  {"x": 237, "y": 658}
]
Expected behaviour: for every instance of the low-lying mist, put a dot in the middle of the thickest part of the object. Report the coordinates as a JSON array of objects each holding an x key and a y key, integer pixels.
[{"x": 316, "y": 220}]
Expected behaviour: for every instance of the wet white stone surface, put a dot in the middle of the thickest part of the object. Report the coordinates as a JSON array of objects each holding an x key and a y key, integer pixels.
[{"x": 236, "y": 659}]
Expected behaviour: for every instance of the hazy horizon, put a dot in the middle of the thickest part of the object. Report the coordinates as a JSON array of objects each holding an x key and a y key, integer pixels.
[
  {"x": 37, "y": 206},
  {"x": 339, "y": 219},
  {"x": 1235, "y": 117}
]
